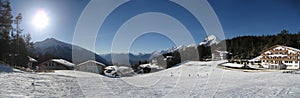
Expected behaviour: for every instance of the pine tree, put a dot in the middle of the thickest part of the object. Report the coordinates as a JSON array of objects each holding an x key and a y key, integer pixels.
[
  {"x": 29, "y": 44},
  {"x": 5, "y": 28},
  {"x": 19, "y": 41}
]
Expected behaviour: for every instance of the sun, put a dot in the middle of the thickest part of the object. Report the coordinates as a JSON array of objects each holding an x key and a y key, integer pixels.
[{"x": 40, "y": 19}]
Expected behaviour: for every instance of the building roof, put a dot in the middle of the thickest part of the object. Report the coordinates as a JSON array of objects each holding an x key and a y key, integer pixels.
[
  {"x": 31, "y": 59},
  {"x": 92, "y": 61},
  {"x": 149, "y": 66},
  {"x": 295, "y": 49},
  {"x": 64, "y": 62},
  {"x": 255, "y": 59}
]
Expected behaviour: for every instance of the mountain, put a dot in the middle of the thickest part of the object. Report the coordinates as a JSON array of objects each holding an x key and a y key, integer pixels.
[
  {"x": 52, "y": 48},
  {"x": 174, "y": 48},
  {"x": 209, "y": 40},
  {"x": 133, "y": 58}
]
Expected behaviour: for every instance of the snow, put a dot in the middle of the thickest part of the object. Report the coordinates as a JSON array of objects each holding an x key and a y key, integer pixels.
[
  {"x": 295, "y": 49},
  {"x": 64, "y": 62},
  {"x": 189, "y": 79},
  {"x": 25, "y": 85},
  {"x": 150, "y": 66},
  {"x": 175, "y": 48},
  {"x": 222, "y": 52},
  {"x": 233, "y": 65},
  {"x": 209, "y": 40},
  {"x": 256, "y": 59},
  {"x": 50, "y": 42},
  {"x": 32, "y": 59}
]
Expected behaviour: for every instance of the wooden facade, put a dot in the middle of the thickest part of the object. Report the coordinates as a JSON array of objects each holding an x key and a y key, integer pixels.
[{"x": 280, "y": 57}]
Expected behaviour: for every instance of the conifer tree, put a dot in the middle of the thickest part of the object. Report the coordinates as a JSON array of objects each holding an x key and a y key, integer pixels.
[{"x": 5, "y": 28}]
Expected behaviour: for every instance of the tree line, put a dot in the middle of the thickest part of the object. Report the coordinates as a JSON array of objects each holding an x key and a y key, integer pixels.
[
  {"x": 15, "y": 47},
  {"x": 248, "y": 47}
]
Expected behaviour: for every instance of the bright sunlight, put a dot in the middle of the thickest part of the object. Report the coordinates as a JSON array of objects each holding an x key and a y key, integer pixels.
[{"x": 40, "y": 20}]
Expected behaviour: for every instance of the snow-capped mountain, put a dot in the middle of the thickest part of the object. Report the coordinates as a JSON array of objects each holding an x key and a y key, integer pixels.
[
  {"x": 209, "y": 40},
  {"x": 190, "y": 50},
  {"x": 59, "y": 49},
  {"x": 175, "y": 48},
  {"x": 119, "y": 57}
]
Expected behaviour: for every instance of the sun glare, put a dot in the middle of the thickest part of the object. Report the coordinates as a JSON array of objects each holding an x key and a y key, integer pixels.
[{"x": 40, "y": 20}]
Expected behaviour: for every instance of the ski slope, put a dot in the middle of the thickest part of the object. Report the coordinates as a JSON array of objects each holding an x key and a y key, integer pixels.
[{"x": 190, "y": 79}]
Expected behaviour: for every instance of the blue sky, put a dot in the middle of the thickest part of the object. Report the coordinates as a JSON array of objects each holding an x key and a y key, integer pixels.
[{"x": 237, "y": 17}]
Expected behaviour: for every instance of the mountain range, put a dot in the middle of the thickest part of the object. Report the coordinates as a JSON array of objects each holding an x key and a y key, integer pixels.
[{"x": 52, "y": 48}]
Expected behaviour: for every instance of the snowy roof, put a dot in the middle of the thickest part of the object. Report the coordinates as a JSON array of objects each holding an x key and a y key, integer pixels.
[
  {"x": 233, "y": 65},
  {"x": 256, "y": 58},
  {"x": 169, "y": 56},
  {"x": 148, "y": 66},
  {"x": 92, "y": 61},
  {"x": 123, "y": 68},
  {"x": 111, "y": 67},
  {"x": 64, "y": 62},
  {"x": 291, "y": 48},
  {"x": 31, "y": 59},
  {"x": 223, "y": 52}
]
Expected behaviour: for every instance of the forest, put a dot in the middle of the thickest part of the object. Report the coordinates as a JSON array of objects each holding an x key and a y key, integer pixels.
[
  {"x": 247, "y": 47},
  {"x": 15, "y": 46}
]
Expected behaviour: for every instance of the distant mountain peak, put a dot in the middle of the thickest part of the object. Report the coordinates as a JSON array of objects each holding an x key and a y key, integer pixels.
[
  {"x": 209, "y": 40},
  {"x": 51, "y": 40}
]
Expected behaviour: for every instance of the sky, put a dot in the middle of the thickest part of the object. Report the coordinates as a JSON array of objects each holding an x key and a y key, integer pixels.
[{"x": 237, "y": 18}]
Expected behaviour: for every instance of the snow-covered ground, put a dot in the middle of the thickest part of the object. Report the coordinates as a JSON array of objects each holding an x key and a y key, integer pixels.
[{"x": 190, "y": 79}]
